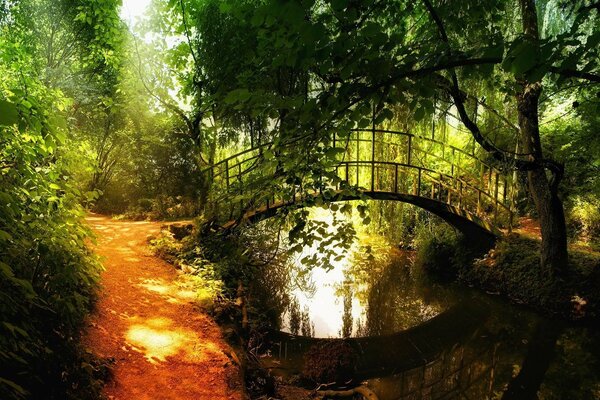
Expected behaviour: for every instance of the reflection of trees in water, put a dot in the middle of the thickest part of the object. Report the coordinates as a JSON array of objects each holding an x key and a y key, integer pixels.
[
  {"x": 575, "y": 372},
  {"x": 266, "y": 273},
  {"x": 299, "y": 320},
  {"x": 395, "y": 299},
  {"x": 347, "y": 320}
]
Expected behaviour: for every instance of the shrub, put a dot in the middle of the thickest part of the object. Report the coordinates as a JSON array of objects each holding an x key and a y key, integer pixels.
[
  {"x": 438, "y": 249},
  {"x": 585, "y": 216},
  {"x": 47, "y": 274},
  {"x": 186, "y": 255}
]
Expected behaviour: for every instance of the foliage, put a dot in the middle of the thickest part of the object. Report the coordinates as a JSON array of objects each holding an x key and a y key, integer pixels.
[
  {"x": 585, "y": 216},
  {"x": 438, "y": 246},
  {"x": 49, "y": 62},
  {"x": 512, "y": 268},
  {"x": 293, "y": 73},
  {"x": 201, "y": 274},
  {"x": 48, "y": 275}
]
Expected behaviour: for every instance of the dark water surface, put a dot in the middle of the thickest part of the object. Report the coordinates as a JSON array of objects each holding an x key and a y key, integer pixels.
[{"x": 419, "y": 339}]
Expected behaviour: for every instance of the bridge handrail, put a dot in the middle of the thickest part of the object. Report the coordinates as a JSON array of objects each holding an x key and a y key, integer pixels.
[
  {"x": 235, "y": 171},
  {"x": 432, "y": 140},
  {"x": 471, "y": 155},
  {"x": 265, "y": 145},
  {"x": 368, "y": 163}
]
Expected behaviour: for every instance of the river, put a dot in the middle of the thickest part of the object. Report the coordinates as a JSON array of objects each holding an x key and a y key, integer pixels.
[{"x": 376, "y": 319}]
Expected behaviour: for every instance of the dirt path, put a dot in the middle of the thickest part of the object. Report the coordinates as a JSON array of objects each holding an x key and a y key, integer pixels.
[{"x": 163, "y": 346}]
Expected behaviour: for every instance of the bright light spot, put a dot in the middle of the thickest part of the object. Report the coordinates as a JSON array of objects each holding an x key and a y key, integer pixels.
[
  {"x": 133, "y": 9},
  {"x": 173, "y": 291},
  {"x": 158, "y": 338},
  {"x": 154, "y": 341},
  {"x": 323, "y": 313}
]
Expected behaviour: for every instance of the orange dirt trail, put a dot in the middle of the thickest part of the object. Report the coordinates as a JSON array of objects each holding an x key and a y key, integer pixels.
[{"x": 163, "y": 346}]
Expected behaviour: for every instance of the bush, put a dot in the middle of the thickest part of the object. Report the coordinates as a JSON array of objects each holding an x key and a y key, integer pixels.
[
  {"x": 47, "y": 274},
  {"x": 438, "y": 250},
  {"x": 585, "y": 217},
  {"x": 188, "y": 256},
  {"x": 513, "y": 269},
  {"x": 161, "y": 208}
]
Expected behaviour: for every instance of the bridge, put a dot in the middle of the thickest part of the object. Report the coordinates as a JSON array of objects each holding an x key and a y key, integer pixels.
[{"x": 452, "y": 182}]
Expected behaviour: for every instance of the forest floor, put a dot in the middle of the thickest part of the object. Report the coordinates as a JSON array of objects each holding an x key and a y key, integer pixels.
[
  {"x": 530, "y": 228},
  {"x": 161, "y": 344}
]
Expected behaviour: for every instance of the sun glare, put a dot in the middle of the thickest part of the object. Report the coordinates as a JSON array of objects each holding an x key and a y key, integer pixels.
[{"x": 133, "y": 9}]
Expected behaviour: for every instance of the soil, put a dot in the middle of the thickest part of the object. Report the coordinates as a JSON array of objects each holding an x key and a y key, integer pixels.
[{"x": 161, "y": 344}]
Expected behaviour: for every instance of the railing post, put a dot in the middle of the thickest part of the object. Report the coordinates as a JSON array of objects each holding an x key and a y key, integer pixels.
[
  {"x": 396, "y": 180},
  {"x": 373, "y": 157},
  {"x": 496, "y": 199},
  {"x": 347, "y": 173},
  {"x": 419, "y": 183},
  {"x": 227, "y": 173},
  {"x": 409, "y": 155},
  {"x": 357, "y": 158},
  {"x": 241, "y": 187}
]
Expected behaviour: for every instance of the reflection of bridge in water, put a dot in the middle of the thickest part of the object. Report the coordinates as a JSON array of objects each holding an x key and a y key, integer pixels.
[
  {"x": 451, "y": 182},
  {"x": 435, "y": 360}
]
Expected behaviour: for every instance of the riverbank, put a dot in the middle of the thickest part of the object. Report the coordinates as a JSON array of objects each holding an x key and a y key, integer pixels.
[{"x": 512, "y": 270}]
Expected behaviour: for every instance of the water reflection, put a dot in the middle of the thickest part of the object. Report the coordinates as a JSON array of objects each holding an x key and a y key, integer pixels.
[
  {"x": 413, "y": 338},
  {"x": 367, "y": 293}
]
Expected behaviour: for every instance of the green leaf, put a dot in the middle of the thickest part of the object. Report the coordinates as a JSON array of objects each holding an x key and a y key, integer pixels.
[
  {"x": 8, "y": 113},
  {"x": 5, "y": 236},
  {"x": 237, "y": 95},
  {"x": 14, "y": 386},
  {"x": 522, "y": 57},
  {"x": 6, "y": 270}
]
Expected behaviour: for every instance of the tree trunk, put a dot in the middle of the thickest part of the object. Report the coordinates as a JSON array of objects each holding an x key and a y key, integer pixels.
[{"x": 543, "y": 190}]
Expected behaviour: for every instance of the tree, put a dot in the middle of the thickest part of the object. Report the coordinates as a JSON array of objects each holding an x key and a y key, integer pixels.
[{"x": 362, "y": 59}]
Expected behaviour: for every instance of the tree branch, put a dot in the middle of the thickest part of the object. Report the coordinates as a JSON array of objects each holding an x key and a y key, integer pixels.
[
  {"x": 572, "y": 73},
  {"x": 498, "y": 154},
  {"x": 169, "y": 106}
]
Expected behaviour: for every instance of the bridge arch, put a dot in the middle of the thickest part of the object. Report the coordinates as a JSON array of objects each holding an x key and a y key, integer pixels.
[{"x": 467, "y": 192}]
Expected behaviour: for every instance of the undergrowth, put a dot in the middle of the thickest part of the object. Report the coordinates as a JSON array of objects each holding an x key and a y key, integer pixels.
[
  {"x": 188, "y": 256},
  {"x": 48, "y": 276}
]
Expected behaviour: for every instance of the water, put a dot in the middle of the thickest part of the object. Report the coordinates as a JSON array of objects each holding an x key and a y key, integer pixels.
[{"x": 411, "y": 337}]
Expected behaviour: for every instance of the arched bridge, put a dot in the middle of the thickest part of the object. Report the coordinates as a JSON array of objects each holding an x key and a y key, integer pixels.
[{"x": 447, "y": 180}]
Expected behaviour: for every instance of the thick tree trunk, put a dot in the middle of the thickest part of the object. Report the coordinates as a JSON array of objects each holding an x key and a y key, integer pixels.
[
  {"x": 554, "y": 256},
  {"x": 543, "y": 190}
]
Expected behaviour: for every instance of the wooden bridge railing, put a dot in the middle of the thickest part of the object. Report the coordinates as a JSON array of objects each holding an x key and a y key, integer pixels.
[{"x": 378, "y": 160}]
